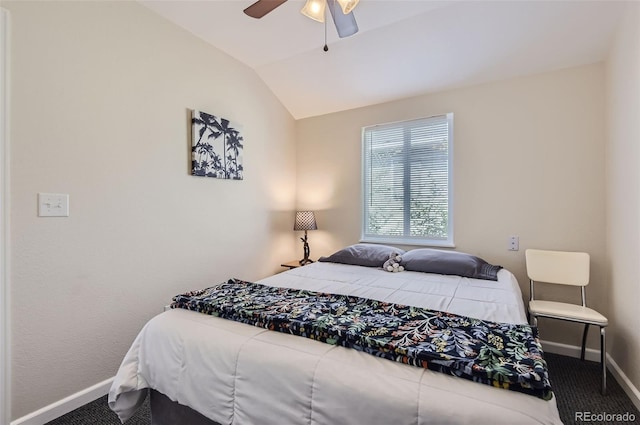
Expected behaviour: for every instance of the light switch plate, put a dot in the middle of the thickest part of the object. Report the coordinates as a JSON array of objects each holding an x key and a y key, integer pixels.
[{"x": 53, "y": 205}]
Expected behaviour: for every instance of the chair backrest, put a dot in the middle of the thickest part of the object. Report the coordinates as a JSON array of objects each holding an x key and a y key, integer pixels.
[{"x": 560, "y": 267}]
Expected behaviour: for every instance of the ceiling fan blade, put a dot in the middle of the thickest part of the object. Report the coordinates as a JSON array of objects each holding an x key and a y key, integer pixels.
[
  {"x": 262, "y": 7},
  {"x": 345, "y": 24}
]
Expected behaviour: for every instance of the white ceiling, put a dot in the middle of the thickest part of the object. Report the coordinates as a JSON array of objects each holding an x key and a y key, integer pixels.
[{"x": 403, "y": 48}]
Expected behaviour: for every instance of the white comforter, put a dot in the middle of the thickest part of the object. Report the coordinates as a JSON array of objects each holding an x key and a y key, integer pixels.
[{"x": 234, "y": 373}]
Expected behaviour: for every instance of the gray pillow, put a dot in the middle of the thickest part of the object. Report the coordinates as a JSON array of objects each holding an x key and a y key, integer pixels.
[
  {"x": 362, "y": 254},
  {"x": 449, "y": 262}
]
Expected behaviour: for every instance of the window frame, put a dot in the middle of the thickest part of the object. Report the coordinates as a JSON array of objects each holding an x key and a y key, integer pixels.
[{"x": 406, "y": 239}]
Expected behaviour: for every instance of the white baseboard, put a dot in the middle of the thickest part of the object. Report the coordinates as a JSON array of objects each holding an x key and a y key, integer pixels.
[
  {"x": 624, "y": 382},
  {"x": 570, "y": 351},
  {"x": 66, "y": 405},
  {"x": 594, "y": 355}
]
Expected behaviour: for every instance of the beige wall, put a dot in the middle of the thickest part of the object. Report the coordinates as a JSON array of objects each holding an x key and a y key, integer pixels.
[
  {"x": 528, "y": 161},
  {"x": 101, "y": 95},
  {"x": 623, "y": 194}
]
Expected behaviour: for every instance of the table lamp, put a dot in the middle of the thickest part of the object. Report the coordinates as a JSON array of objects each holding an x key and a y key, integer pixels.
[{"x": 305, "y": 220}]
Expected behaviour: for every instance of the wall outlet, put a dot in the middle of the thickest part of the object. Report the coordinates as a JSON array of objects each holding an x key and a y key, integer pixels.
[{"x": 514, "y": 243}]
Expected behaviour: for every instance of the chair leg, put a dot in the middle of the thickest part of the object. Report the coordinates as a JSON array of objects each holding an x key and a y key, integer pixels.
[
  {"x": 603, "y": 359},
  {"x": 584, "y": 340}
]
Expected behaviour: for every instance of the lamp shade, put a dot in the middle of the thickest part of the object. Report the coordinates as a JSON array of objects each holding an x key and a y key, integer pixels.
[
  {"x": 347, "y": 5},
  {"x": 314, "y": 9},
  {"x": 305, "y": 220}
]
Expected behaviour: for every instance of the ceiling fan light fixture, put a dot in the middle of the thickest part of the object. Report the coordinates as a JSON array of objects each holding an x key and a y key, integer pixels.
[
  {"x": 348, "y": 5},
  {"x": 314, "y": 9}
]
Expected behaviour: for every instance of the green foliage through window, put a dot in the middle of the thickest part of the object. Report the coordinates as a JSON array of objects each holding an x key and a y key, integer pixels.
[{"x": 406, "y": 181}]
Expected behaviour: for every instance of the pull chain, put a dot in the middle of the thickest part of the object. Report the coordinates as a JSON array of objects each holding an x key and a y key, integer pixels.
[{"x": 325, "y": 48}]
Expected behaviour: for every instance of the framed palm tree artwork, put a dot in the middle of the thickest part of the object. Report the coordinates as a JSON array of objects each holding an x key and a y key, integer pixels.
[{"x": 216, "y": 147}]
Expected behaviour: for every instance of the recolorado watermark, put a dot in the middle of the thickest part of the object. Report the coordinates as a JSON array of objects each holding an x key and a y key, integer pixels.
[{"x": 600, "y": 417}]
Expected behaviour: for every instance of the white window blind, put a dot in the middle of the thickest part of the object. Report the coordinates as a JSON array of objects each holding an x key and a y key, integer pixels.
[{"x": 407, "y": 182}]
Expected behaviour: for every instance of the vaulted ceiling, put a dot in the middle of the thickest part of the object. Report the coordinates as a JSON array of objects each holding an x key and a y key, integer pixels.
[{"x": 403, "y": 48}]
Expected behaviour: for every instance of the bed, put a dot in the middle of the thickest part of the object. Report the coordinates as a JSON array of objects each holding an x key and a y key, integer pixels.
[{"x": 228, "y": 372}]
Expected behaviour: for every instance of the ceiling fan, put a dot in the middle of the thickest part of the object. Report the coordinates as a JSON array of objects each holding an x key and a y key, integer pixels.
[{"x": 341, "y": 12}]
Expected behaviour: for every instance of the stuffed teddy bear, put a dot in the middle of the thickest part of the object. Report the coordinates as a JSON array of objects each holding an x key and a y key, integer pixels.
[{"x": 393, "y": 263}]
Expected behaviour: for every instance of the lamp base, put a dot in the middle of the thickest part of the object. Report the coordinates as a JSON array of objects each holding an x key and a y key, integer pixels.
[{"x": 307, "y": 251}]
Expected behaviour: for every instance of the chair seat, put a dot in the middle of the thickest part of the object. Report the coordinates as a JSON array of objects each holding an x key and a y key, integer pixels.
[{"x": 567, "y": 311}]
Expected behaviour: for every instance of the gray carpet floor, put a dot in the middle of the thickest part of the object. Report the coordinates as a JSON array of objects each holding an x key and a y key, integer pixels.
[{"x": 576, "y": 385}]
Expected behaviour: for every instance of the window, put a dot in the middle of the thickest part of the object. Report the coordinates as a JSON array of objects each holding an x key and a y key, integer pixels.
[{"x": 406, "y": 177}]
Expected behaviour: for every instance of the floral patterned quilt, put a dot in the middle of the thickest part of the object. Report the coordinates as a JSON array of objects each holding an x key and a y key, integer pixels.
[{"x": 499, "y": 354}]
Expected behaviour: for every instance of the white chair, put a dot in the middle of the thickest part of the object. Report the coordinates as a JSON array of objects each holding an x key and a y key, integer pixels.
[{"x": 565, "y": 268}]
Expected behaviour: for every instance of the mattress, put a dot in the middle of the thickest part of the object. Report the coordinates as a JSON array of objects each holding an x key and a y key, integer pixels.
[{"x": 234, "y": 373}]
